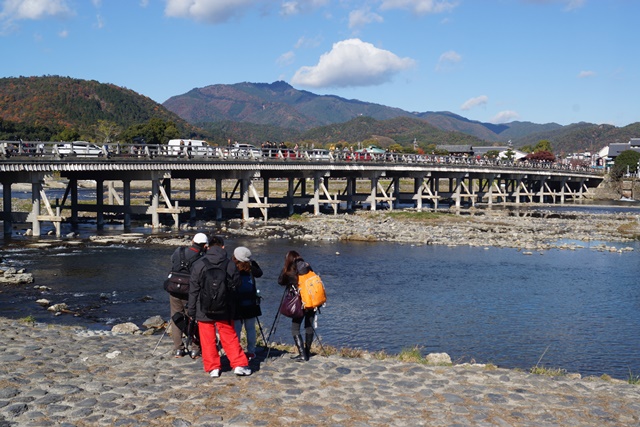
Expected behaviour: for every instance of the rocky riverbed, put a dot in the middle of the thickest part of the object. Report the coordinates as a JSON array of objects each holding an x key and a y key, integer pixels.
[{"x": 537, "y": 231}]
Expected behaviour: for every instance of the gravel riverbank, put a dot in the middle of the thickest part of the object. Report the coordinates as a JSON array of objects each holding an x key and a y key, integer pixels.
[{"x": 55, "y": 375}]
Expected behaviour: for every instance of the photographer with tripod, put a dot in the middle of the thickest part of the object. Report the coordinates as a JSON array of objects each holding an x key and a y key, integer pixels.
[
  {"x": 248, "y": 302},
  {"x": 294, "y": 266}
]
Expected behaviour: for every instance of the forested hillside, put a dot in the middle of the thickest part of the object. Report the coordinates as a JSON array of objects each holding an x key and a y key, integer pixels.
[{"x": 46, "y": 106}]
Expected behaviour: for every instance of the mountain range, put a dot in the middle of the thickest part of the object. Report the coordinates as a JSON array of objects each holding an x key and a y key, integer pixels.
[
  {"x": 257, "y": 112},
  {"x": 303, "y": 115}
]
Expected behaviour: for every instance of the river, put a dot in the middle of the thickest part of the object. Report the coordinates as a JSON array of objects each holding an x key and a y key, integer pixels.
[{"x": 574, "y": 310}]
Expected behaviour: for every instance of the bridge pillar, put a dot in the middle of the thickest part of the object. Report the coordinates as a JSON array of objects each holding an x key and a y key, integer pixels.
[
  {"x": 192, "y": 199},
  {"x": 126, "y": 188},
  {"x": 36, "y": 187},
  {"x": 6, "y": 199},
  {"x": 417, "y": 190},
  {"x": 100, "y": 204},
  {"x": 396, "y": 192},
  {"x": 316, "y": 193},
  {"x": 290, "y": 192},
  {"x": 374, "y": 192},
  {"x": 219, "y": 198},
  {"x": 73, "y": 187},
  {"x": 155, "y": 198},
  {"x": 542, "y": 182},
  {"x": 351, "y": 189},
  {"x": 244, "y": 195}
]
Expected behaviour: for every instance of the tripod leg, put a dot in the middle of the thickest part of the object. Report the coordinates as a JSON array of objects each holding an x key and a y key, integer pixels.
[
  {"x": 261, "y": 331},
  {"x": 319, "y": 341},
  {"x": 156, "y": 347}
]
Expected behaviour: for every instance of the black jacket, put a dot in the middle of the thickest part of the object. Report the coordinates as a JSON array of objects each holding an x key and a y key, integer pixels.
[
  {"x": 248, "y": 303},
  {"x": 216, "y": 256}
]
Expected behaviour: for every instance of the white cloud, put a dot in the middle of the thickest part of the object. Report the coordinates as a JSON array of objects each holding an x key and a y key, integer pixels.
[
  {"x": 447, "y": 59},
  {"x": 294, "y": 7},
  {"x": 586, "y": 74},
  {"x": 420, "y": 7},
  {"x": 570, "y": 5},
  {"x": 305, "y": 42},
  {"x": 504, "y": 117},
  {"x": 361, "y": 17},
  {"x": 63, "y": 34},
  {"x": 474, "y": 102},
  {"x": 286, "y": 58},
  {"x": 34, "y": 9},
  {"x": 211, "y": 11},
  {"x": 352, "y": 63},
  {"x": 574, "y": 4}
]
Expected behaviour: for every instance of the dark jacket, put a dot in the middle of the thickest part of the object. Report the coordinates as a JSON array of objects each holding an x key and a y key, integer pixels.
[
  {"x": 290, "y": 279},
  {"x": 248, "y": 303},
  {"x": 190, "y": 255},
  {"x": 216, "y": 256}
]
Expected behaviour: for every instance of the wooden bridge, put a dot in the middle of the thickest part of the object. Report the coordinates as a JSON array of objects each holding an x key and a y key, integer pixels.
[{"x": 337, "y": 182}]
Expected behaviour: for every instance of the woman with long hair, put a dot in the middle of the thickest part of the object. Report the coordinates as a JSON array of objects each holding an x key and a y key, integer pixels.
[{"x": 294, "y": 266}]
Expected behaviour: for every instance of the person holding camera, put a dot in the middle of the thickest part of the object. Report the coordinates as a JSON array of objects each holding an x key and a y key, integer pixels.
[
  {"x": 181, "y": 261},
  {"x": 248, "y": 303}
]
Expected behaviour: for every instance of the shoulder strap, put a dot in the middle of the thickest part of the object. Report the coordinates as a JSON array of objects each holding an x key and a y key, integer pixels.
[{"x": 187, "y": 264}]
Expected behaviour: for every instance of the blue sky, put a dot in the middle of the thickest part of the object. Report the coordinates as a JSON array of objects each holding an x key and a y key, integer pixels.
[{"x": 562, "y": 61}]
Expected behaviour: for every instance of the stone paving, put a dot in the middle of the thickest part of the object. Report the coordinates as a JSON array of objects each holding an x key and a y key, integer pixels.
[{"x": 68, "y": 376}]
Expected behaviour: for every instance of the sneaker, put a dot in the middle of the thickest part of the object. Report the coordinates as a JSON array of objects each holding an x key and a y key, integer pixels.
[
  {"x": 180, "y": 353},
  {"x": 215, "y": 373},
  {"x": 242, "y": 371},
  {"x": 250, "y": 355},
  {"x": 195, "y": 354}
]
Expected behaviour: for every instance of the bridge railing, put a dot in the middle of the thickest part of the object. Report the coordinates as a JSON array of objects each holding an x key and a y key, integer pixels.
[{"x": 37, "y": 150}]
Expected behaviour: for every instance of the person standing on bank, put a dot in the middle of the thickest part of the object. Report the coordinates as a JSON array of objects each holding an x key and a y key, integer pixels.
[
  {"x": 248, "y": 304},
  {"x": 216, "y": 261},
  {"x": 181, "y": 260},
  {"x": 294, "y": 265}
]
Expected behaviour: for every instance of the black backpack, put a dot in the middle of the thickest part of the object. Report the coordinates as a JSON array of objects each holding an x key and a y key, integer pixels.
[
  {"x": 178, "y": 281},
  {"x": 215, "y": 296}
]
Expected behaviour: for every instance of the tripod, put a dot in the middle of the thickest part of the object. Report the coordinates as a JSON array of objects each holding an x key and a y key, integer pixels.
[{"x": 273, "y": 326}]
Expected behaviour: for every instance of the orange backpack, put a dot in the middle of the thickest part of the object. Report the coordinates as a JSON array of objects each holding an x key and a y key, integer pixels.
[{"x": 311, "y": 290}]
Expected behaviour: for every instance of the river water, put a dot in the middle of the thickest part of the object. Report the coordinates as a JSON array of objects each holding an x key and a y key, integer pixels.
[{"x": 575, "y": 310}]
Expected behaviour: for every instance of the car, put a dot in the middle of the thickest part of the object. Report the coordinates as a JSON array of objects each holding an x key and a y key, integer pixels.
[
  {"x": 245, "y": 150},
  {"x": 79, "y": 148},
  {"x": 319, "y": 154},
  {"x": 190, "y": 148}
]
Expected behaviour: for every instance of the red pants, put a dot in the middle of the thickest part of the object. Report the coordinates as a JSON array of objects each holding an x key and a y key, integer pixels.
[{"x": 228, "y": 339}]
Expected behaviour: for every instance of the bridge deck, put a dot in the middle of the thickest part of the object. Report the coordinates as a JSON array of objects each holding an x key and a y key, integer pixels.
[{"x": 391, "y": 182}]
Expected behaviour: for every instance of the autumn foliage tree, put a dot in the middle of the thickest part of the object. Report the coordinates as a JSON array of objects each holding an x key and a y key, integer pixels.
[{"x": 541, "y": 156}]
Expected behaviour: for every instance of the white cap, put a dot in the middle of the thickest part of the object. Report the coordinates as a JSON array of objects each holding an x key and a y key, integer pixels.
[
  {"x": 242, "y": 254},
  {"x": 201, "y": 239}
]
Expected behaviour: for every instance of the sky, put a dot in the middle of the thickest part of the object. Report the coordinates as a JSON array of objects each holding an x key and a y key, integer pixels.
[{"x": 496, "y": 61}]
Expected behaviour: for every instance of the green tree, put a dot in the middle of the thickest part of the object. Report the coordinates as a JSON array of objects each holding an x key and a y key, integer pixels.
[
  {"x": 492, "y": 154},
  {"x": 543, "y": 145},
  {"x": 627, "y": 161},
  {"x": 510, "y": 154},
  {"x": 67, "y": 134},
  {"x": 106, "y": 131}
]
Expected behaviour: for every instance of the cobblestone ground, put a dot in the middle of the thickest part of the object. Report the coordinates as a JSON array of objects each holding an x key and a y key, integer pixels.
[{"x": 53, "y": 375}]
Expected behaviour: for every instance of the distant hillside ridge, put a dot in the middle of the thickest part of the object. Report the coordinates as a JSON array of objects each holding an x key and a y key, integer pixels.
[
  {"x": 275, "y": 104},
  {"x": 58, "y": 102},
  {"x": 281, "y": 105}
]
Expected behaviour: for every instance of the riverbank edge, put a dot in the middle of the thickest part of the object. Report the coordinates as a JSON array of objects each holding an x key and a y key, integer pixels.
[{"x": 279, "y": 349}]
